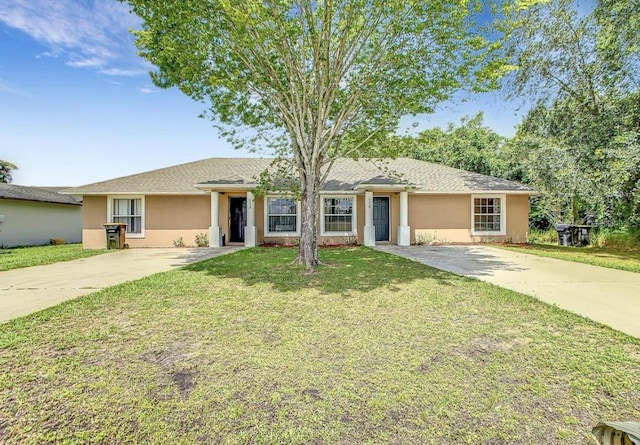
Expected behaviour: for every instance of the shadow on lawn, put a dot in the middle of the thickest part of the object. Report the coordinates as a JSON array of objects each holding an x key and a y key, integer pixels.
[{"x": 344, "y": 269}]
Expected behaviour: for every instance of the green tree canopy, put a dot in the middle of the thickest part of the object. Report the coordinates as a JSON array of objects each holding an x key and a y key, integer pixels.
[
  {"x": 5, "y": 171},
  {"x": 580, "y": 146},
  {"x": 317, "y": 80},
  {"x": 469, "y": 146}
]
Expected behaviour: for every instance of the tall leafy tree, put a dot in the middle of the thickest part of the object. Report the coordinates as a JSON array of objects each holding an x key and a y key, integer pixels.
[
  {"x": 5, "y": 171},
  {"x": 581, "y": 143},
  {"x": 554, "y": 49},
  {"x": 470, "y": 145},
  {"x": 619, "y": 39},
  {"x": 317, "y": 79}
]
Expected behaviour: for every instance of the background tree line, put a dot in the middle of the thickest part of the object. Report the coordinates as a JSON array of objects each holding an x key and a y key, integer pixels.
[{"x": 579, "y": 144}]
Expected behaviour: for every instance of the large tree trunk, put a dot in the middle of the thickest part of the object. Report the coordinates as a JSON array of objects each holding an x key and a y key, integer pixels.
[{"x": 308, "y": 250}]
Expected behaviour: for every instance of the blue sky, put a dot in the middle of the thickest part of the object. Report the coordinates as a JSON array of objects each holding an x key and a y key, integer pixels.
[{"x": 77, "y": 104}]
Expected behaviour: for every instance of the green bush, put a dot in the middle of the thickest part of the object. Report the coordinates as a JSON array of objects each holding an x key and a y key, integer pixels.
[
  {"x": 202, "y": 240},
  {"x": 549, "y": 236},
  {"x": 623, "y": 239},
  {"x": 178, "y": 242}
]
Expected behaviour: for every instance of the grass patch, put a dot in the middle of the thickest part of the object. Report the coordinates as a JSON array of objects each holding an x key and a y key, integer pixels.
[
  {"x": 371, "y": 349},
  {"x": 18, "y": 257},
  {"x": 613, "y": 258}
]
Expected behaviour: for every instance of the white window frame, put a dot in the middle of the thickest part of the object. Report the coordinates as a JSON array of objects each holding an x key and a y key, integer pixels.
[
  {"x": 503, "y": 215},
  {"x": 110, "y": 199},
  {"x": 267, "y": 233},
  {"x": 354, "y": 213}
]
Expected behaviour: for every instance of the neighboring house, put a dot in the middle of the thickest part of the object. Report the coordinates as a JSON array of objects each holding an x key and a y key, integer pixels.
[
  {"x": 31, "y": 216},
  {"x": 398, "y": 201}
]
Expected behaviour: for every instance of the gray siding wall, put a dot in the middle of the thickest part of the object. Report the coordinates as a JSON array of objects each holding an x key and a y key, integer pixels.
[{"x": 28, "y": 223}]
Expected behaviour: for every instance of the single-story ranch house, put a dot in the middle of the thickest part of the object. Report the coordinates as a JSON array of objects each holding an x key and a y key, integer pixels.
[
  {"x": 32, "y": 216},
  {"x": 399, "y": 201}
]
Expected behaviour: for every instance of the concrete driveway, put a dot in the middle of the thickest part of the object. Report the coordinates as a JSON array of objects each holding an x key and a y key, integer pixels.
[
  {"x": 608, "y": 296},
  {"x": 24, "y": 291}
]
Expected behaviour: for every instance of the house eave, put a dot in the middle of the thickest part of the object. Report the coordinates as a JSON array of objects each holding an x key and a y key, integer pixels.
[
  {"x": 220, "y": 187},
  {"x": 476, "y": 192},
  {"x": 42, "y": 201},
  {"x": 148, "y": 193},
  {"x": 383, "y": 187}
]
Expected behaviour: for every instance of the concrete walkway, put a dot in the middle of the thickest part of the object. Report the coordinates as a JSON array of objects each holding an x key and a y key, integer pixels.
[
  {"x": 608, "y": 296},
  {"x": 24, "y": 291}
]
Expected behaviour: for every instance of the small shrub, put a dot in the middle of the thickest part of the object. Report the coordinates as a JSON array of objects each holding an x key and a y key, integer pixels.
[
  {"x": 351, "y": 240},
  {"x": 427, "y": 238},
  {"x": 56, "y": 241},
  {"x": 616, "y": 239},
  {"x": 202, "y": 240},
  {"x": 549, "y": 236},
  {"x": 178, "y": 242}
]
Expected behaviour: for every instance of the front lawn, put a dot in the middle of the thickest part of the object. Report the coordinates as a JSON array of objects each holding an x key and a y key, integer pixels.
[
  {"x": 18, "y": 257},
  {"x": 612, "y": 258},
  {"x": 372, "y": 349}
]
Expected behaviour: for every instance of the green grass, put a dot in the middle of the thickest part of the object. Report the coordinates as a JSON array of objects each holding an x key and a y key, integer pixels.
[
  {"x": 613, "y": 258},
  {"x": 18, "y": 257},
  {"x": 372, "y": 349}
]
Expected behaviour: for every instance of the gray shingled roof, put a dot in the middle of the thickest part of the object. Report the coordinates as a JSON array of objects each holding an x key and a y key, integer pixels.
[
  {"x": 345, "y": 175},
  {"x": 38, "y": 194}
]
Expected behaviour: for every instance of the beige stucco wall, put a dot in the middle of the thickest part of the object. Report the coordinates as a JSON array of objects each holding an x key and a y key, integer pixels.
[
  {"x": 30, "y": 223},
  {"x": 443, "y": 218},
  {"x": 167, "y": 218},
  {"x": 439, "y": 218},
  {"x": 517, "y": 218},
  {"x": 94, "y": 212},
  {"x": 447, "y": 219},
  {"x": 178, "y": 212},
  {"x": 94, "y": 215}
]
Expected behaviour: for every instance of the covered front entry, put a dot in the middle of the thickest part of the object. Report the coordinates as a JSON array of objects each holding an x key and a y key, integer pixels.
[
  {"x": 381, "y": 217},
  {"x": 377, "y": 218},
  {"x": 237, "y": 219},
  {"x": 241, "y": 222}
]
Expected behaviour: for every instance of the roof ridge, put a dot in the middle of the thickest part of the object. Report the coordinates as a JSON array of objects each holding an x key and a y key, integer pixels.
[{"x": 345, "y": 175}]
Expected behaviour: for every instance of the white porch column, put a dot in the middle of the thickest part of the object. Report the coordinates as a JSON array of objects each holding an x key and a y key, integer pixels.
[
  {"x": 250, "y": 228},
  {"x": 404, "y": 231},
  {"x": 214, "y": 230},
  {"x": 369, "y": 228}
]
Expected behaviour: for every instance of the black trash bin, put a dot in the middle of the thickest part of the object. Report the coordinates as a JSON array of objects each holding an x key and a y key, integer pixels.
[
  {"x": 580, "y": 235},
  {"x": 115, "y": 233},
  {"x": 564, "y": 234},
  {"x": 573, "y": 235}
]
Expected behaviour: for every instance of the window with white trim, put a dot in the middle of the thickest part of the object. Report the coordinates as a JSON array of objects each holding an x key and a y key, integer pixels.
[
  {"x": 488, "y": 214},
  {"x": 338, "y": 215},
  {"x": 129, "y": 211},
  {"x": 281, "y": 216}
]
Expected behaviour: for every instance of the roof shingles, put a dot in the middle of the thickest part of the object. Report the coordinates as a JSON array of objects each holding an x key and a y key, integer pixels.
[
  {"x": 346, "y": 174},
  {"x": 37, "y": 194}
]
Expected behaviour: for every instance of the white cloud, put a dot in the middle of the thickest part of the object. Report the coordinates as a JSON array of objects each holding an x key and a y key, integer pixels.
[
  {"x": 84, "y": 33},
  {"x": 148, "y": 90},
  {"x": 86, "y": 63},
  {"x": 123, "y": 72}
]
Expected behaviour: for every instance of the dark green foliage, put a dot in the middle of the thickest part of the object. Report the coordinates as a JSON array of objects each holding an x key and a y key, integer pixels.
[
  {"x": 5, "y": 171},
  {"x": 580, "y": 146},
  {"x": 468, "y": 146}
]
